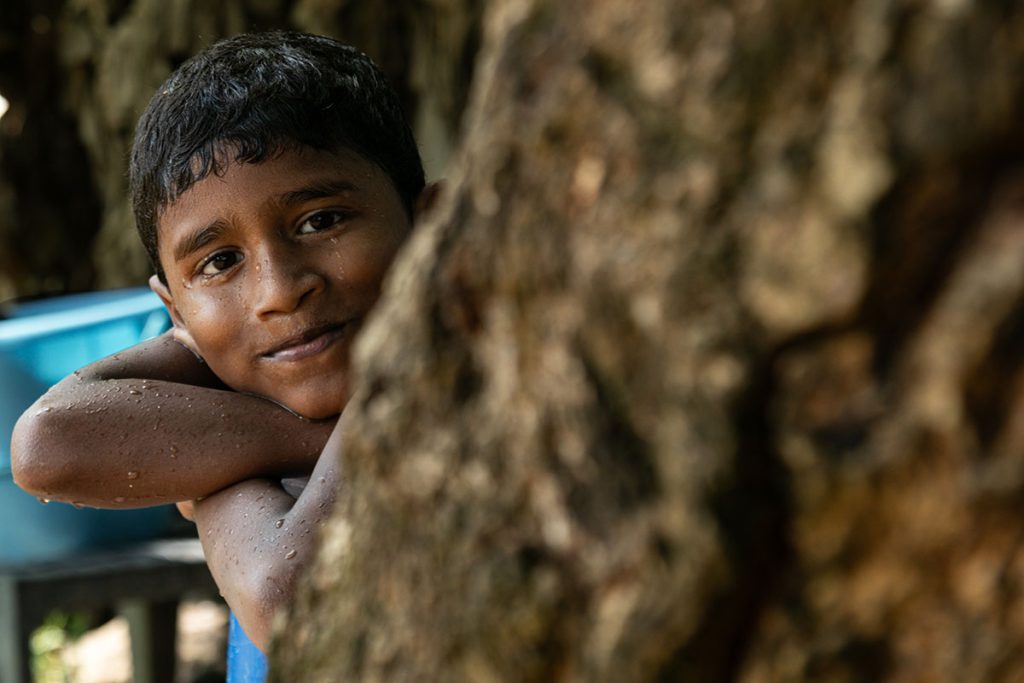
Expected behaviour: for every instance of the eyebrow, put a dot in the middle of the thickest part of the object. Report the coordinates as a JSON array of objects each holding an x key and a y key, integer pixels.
[
  {"x": 197, "y": 239},
  {"x": 316, "y": 190}
]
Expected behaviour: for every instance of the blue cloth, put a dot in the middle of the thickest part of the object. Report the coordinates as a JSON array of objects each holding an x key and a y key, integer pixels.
[{"x": 246, "y": 664}]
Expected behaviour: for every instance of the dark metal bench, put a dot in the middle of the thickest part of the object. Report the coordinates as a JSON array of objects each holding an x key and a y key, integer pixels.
[{"x": 144, "y": 581}]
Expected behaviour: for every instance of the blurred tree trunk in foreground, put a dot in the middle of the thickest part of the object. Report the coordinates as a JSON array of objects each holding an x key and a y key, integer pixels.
[
  {"x": 79, "y": 72},
  {"x": 710, "y": 368}
]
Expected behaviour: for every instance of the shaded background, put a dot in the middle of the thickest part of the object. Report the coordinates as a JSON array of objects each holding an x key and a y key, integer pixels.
[{"x": 76, "y": 74}]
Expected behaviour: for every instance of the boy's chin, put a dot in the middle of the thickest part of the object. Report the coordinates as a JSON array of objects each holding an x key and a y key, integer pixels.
[{"x": 320, "y": 407}]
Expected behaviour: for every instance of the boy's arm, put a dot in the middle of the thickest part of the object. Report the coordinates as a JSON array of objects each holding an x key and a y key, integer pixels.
[
  {"x": 258, "y": 539},
  {"x": 150, "y": 425}
]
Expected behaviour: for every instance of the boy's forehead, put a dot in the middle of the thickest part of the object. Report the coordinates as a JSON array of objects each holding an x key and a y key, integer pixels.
[
  {"x": 288, "y": 176},
  {"x": 280, "y": 162}
]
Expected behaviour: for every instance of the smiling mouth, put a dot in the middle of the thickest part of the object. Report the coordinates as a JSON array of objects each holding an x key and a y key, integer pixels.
[{"x": 310, "y": 343}]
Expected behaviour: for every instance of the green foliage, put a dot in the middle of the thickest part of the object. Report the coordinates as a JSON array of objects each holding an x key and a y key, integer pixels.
[{"x": 48, "y": 642}]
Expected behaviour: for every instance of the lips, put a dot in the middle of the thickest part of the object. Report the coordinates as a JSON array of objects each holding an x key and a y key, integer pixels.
[{"x": 310, "y": 342}]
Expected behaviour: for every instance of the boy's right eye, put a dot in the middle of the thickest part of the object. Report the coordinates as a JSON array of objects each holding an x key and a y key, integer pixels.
[{"x": 219, "y": 262}]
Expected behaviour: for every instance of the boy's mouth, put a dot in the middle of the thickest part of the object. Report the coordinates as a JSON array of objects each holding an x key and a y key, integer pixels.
[{"x": 308, "y": 343}]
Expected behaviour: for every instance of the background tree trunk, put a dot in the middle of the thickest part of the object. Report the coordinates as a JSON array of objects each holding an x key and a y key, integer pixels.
[
  {"x": 710, "y": 367},
  {"x": 78, "y": 73}
]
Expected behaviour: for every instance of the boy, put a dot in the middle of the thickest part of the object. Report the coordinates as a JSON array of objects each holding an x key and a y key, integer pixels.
[{"x": 273, "y": 179}]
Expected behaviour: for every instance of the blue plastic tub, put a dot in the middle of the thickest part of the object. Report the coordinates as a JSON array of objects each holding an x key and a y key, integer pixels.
[{"x": 40, "y": 343}]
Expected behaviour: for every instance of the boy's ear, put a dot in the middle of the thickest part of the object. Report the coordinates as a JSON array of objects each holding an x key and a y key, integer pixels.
[
  {"x": 427, "y": 200},
  {"x": 181, "y": 333}
]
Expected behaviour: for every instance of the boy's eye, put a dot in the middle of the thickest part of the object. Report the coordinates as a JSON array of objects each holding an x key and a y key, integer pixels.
[
  {"x": 320, "y": 221},
  {"x": 219, "y": 262}
]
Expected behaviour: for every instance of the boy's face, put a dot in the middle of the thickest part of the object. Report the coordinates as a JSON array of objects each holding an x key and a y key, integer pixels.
[{"x": 273, "y": 267}]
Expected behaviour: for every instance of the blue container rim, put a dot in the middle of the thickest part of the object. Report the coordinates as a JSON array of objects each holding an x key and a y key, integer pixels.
[{"x": 19, "y": 330}]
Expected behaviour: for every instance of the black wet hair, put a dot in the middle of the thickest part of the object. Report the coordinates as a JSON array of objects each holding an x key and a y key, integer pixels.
[{"x": 248, "y": 98}]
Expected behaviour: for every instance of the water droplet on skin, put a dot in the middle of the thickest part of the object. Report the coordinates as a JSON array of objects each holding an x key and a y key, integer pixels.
[
  {"x": 132, "y": 474},
  {"x": 42, "y": 500},
  {"x": 119, "y": 499},
  {"x": 135, "y": 392},
  {"x": 44, "y": 410},
  {"x": 290, "y": 554},
  {"x": 279, "y": 523},
  {"x": 174, "y": 450}
]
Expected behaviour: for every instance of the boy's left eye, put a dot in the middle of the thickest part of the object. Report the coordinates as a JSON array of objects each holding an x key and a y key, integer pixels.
[{"x": 320, "y": 221}]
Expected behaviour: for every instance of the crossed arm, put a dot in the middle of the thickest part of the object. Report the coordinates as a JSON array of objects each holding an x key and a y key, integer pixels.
[
  {"x": 258, "y": 539},
  {"x": 153, "y": 425}
]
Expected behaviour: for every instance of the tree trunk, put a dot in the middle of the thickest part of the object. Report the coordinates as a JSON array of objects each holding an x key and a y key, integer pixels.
[{"x": 710, "y": 366}]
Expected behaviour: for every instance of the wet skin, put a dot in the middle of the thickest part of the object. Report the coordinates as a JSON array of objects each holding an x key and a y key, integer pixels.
[{"x": 272, "y": 267}]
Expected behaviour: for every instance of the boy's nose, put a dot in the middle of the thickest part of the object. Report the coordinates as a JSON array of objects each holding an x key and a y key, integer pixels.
[{"x": 283, "y": 283}]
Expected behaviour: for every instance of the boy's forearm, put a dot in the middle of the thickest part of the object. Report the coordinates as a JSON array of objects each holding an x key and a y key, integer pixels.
[
  {"x": 258, "y": 540},
  {"x": 154, "y": 426}
]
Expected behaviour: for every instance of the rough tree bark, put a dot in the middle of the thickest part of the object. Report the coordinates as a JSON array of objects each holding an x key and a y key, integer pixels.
[{"x": 710, "y": 367}]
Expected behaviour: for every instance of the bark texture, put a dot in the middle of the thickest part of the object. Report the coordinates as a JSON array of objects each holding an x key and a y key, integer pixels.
[
  {"x": 710, "y": 367},
  {"x": 78, "y": 73}
]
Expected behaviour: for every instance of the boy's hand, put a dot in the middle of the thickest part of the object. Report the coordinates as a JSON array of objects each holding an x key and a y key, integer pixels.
[{"x": 187, "y": 508}]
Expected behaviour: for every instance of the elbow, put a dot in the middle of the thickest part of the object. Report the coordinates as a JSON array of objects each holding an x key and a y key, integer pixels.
[
  {"x": 34, "y": 463},
  {"x": 266, "y": 594}
]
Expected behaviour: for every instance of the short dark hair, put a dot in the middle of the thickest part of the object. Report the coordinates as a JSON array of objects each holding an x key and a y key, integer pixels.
[{"x": 250, "y": 97}]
